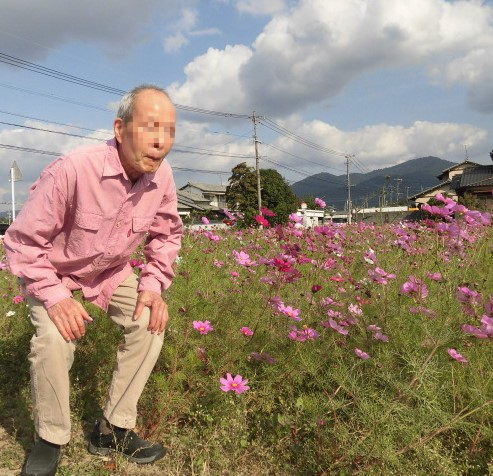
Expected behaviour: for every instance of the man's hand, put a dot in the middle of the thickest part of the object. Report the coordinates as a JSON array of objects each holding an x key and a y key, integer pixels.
[
  {"x": 159, "y": 310},
  {"x": 69, "y": 315}
]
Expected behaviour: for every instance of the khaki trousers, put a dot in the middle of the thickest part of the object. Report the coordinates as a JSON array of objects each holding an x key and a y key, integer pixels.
[{"x": 51, "y": 358}]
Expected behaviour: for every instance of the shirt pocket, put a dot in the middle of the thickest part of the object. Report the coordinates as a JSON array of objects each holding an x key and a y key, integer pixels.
[
  {"x": 82, "y": 236},
  {"x": 140, "y": 226}
]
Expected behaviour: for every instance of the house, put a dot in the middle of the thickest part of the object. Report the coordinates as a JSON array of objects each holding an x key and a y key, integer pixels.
[
  {"x": 202, "y": 199},
  {"x": 456, "y": 181},
  {"x": 215, "y": 194}
]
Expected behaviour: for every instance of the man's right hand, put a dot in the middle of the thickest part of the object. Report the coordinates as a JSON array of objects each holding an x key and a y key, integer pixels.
[{"x": 69, "y": 315}]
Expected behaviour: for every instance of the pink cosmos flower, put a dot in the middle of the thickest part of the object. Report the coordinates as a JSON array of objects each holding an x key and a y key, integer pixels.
[
  {"x": 262, "y": 221},
  {"x": 218, "y": 263},
  {"x": 136, "y": 263},
  {"x": 212, "y": 236},
  {"x": 334, "y": 325},
  {"x": 320, "y": 203},
  {"x": 361, "y": 354},
  {"x": 303, "y": 335},
  {"x": 316, "y": 288},
  {"x": 415, "y": 287},
  {"x": 456, "y": 356},
  {"x": 355, "y": 310},
  {"x": 18, "y": 299},
  {"x": 230, "y": 216},
  {"x": 484, "y": 332},
  {"x": 289, "y": 311},
  {"x": 380, "y": 276},
  {"x": 234, "y": 384},
  {"x": 435, "y": 276},
  {"x": 267, "y": 213},
  {"x": 379, "y": 336},
  {"x": 3, "y": 265},
  {"x": 246, "y": 331},
  {"x": 464, "y": 294},
  {"x": 295, "y": 218},
  {"x": 205, "y": 220},
  {"x": 204, "y": 327},
  {"x": 243, "y": 258}
]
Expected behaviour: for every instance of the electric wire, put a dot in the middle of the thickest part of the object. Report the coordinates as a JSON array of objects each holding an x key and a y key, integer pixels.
[
  {"x": 59, "y": 154},
  {"x": 177, "y": 148},
  {"x": 35, "y": 68}
]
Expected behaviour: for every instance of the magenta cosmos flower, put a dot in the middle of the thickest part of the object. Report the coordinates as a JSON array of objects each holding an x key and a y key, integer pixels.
[
  {"x": 18, "y": 299},
  {"x": 456, "y": 356},
  {"x": 234, "y": 384},
  {"x": 204, "y": 327},
  {"x": 246, "y": 331},
  {"x": 361, "y": 354}
]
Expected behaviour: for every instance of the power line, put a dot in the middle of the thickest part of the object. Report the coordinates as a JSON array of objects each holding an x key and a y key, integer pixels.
[
  {"x": 270, "y": 124},
  {"x": 58, "y": 154},
  {"x": 35, "y": 68},
  {"x": 298, "y": 157},
  {"x": 177, "y": 148}
]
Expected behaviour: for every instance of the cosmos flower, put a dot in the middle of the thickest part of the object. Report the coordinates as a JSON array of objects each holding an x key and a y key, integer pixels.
[
  {"x": 204, "y": 327},
  {"x": 361, "y": 354},
  {"x": 234, "y": 384},
  {"x": 246, "y": 331},
  {"x": 456, "y": 356}
]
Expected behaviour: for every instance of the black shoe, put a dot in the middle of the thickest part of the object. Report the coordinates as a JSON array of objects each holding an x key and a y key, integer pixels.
[
  {"x": 126, "y": 442},
  {"x": 43, "y": 459}
]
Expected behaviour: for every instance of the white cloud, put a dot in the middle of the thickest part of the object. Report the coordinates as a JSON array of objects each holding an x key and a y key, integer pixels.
[
  {"x": 31, "y": 30},
  {"x": 213, "y": 80},
  {"x": 185, "y": 28},
  {"x": 381, "y": 145},
  {"x": 312, "y": 51},
  {"x": 259, "y": 7},
  {"x": 175, "y": 42},
  {"x": 376, "y": 146}
]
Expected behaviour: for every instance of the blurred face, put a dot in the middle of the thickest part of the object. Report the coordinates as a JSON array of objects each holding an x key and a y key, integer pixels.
[{"x": 146, "y": 140}]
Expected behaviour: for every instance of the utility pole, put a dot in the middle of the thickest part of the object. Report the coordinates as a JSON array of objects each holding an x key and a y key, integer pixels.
[
  {"x": 398, "y": 181},
  {"x": 257, "y": 166},
  {"x": 349, "y": 204},
  {"x": 15, "y": 176}
]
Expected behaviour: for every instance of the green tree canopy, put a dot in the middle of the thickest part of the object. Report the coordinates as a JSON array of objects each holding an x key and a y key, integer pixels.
[{"x": 241, "y": 194}]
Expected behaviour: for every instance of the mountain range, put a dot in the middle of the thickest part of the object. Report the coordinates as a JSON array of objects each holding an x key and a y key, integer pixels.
[{"x": 381, "y": 187}]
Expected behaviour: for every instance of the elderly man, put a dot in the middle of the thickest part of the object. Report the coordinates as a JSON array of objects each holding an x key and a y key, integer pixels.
[{"x": 86, "y": 215}]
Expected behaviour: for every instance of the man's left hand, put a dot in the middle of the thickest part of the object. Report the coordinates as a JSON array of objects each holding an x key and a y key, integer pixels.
[{"x": 158, "y": 308}]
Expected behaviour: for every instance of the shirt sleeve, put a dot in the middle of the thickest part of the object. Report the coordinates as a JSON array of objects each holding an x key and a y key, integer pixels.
[
  {"x": 163, "y": 244},
  {"x": 29, "y": 239}
]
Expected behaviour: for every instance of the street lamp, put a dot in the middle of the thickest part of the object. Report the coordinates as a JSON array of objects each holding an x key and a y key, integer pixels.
[{"x": 15, "y": 176}]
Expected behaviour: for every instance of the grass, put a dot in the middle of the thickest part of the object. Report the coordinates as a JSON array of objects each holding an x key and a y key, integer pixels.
[{"x": 314, "y": 407}]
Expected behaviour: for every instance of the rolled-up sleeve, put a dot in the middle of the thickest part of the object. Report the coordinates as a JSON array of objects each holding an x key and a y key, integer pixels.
[
  {"x": 162, "y": 245},
  {"x": 29, "y": 239}
]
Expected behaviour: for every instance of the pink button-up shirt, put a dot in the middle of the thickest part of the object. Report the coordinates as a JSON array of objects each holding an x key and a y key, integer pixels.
[{"x": 83, "y": 220}]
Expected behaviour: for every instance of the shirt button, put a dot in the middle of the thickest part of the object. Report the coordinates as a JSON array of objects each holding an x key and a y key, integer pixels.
[{"x": 119, "y": 224}]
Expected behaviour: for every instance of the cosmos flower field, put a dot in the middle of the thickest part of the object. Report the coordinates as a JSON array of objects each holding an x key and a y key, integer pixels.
[{"x": 342, "y": 349}]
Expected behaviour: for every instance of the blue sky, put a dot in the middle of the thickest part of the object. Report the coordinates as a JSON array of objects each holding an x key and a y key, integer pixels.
[{"x": 384, "y": 81}]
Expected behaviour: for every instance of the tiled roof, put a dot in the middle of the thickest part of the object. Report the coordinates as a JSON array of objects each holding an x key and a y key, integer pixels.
[
  {"x": 456, "y": 166},
  {"x": 205, "y": 187},
  {"x": 424, "y": 192},
  {"x": 482, "y": 175},
  {"x": 194, "y": 197}
]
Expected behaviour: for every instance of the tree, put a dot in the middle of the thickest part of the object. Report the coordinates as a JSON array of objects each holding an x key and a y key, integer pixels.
[
  {"x": 241, "y": 194},
  {"x": 277, "y": 196}
]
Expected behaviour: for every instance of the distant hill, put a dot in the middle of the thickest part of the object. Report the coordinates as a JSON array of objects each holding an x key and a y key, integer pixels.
[{"x": 394, "y": 183}]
